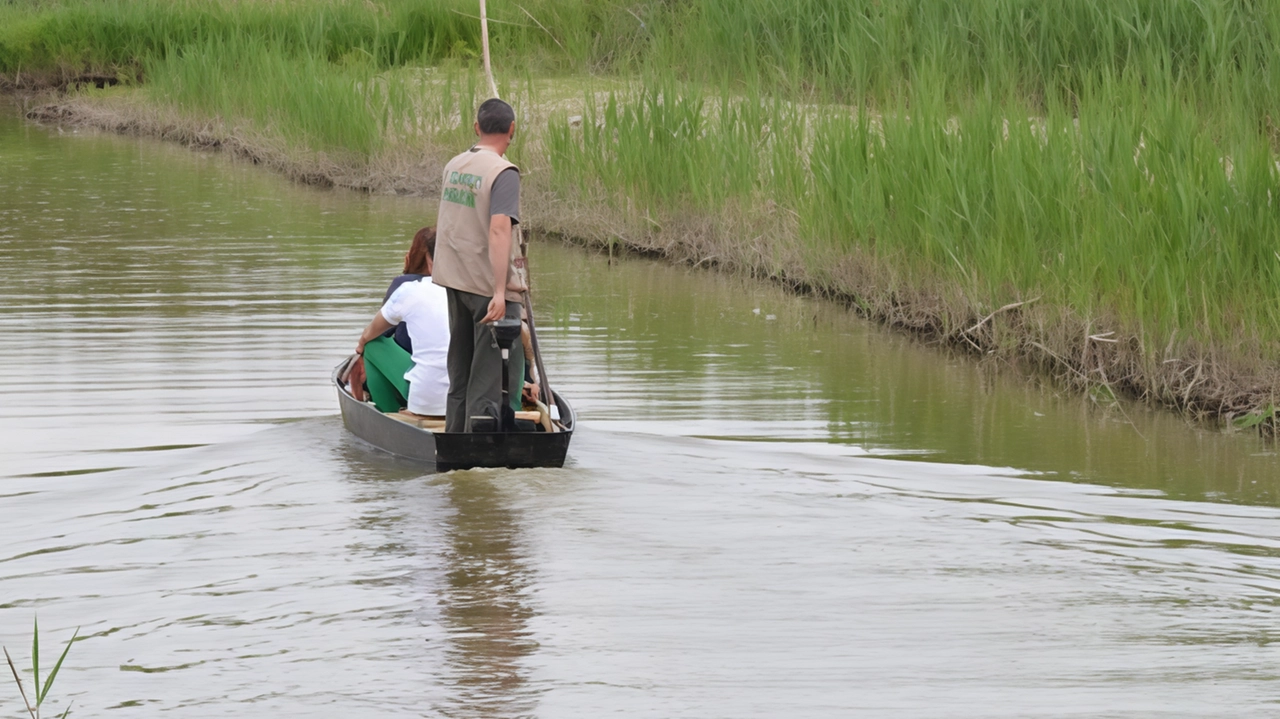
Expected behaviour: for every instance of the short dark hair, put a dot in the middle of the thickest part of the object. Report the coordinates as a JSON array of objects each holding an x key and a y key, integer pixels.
[{"x": 495, "y": 117}]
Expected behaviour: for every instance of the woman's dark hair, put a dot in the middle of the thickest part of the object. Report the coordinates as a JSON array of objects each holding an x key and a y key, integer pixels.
[{"x": 424, "y": 246}]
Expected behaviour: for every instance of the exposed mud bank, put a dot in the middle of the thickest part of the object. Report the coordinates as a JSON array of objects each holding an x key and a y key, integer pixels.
[
  {"x": 1044, "y": 342},
  {"x": 1219, "y": 385}
]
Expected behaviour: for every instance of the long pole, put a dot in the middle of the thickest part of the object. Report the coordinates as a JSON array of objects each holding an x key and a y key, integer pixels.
[
  {"x": 484, "y": 42},
  {"x": 545, "y": 386}
]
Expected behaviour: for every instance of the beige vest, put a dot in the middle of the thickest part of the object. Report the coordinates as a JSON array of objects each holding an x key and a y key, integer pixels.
[{"x": 462, "y": 228}]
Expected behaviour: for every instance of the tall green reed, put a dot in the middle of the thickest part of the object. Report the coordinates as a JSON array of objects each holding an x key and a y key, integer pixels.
[
  {"x": 304, "y": 99},
  {"x": 40, "y": 692},
  {"x": 868, "y": 48},
  {"x": 1121, "y": 206},
  {"x": 851, "y": 50},
  {"x": 351, "y": 106},
  {"x": 553, "y": 35}
]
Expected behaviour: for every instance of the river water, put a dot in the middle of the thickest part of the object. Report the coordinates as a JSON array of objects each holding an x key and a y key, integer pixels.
[{"x": 771, "y": 508}]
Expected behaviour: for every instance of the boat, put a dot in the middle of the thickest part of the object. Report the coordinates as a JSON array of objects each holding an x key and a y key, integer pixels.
[{"x": 426, "y": 441}]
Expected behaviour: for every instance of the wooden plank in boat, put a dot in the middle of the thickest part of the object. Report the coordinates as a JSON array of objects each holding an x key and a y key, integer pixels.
[
  {"x": 437, "y": 425},
  {"x": 427, "y": 423}
]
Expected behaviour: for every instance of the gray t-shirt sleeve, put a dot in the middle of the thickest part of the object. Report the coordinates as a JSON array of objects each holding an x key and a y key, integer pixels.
[{"x": 504, "y": 196}]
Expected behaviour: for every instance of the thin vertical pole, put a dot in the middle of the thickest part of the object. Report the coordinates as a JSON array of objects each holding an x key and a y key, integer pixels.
[{"x": 484, "y": 42}]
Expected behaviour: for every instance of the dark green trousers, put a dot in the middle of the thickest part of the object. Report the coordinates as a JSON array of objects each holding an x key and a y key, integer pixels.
[
  {"x": 475, "y": 362},
  {"x": 385, "y": 363}
]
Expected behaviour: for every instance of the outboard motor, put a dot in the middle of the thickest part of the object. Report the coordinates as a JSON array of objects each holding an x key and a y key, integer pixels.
[{"x": 506, "y": 332}]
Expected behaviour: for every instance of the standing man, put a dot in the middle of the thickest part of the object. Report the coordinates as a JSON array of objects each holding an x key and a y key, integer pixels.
[{"x": 480, "y": 261}]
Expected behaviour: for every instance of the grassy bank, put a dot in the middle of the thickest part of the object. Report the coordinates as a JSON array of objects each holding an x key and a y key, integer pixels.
[{"x": 1088, "y": 188}]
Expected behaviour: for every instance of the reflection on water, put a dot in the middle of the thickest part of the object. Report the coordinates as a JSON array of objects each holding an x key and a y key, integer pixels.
[
  {"x": 484, "y": 605},
  {"x": 466, "y": 574},
  {"x": 770, "y": 508},
  {"x": 680, "y": 351}
]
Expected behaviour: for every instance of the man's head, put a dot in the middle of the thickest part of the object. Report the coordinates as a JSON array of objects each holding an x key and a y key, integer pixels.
[{"x": 496, "y": 118}]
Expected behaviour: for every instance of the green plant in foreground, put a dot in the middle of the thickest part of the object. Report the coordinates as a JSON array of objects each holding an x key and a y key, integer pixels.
[
  {"x": 40, "y": 692},
  {"x": 1256, "y": 418}
]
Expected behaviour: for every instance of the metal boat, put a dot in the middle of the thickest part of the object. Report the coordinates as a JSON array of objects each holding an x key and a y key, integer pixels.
[{"x": 420, "y": 441}]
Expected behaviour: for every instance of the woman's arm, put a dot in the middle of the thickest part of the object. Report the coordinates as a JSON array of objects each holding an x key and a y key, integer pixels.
[{"x": 376, "y": 327}]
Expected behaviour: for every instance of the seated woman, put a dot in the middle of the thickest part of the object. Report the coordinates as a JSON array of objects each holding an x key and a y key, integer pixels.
[
  {"x": 417, "y": 265},
  {"x": 396, "y": 377}
]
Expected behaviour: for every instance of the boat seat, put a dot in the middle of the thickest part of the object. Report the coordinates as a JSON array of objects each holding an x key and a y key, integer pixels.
[
  {"x": 436, "y": 424},
  {"x": 431, "y": 424}
]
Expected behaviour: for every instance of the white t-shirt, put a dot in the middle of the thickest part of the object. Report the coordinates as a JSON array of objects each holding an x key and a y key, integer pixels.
[{"x": 424, "y": 308}]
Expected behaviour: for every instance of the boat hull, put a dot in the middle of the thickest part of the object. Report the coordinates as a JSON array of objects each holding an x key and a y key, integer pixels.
[
  {"x": 459, "y": 450},
  {"x": 455, "y": 450}
]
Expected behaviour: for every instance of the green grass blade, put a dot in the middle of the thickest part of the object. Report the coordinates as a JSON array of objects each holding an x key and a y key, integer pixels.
[
  {"x": 68, "y": 711},
  {"x": 48, "y": 683},
  {"x": 35, "y": 655}
]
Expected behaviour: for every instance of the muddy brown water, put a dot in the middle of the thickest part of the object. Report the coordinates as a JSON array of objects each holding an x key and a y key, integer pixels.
[{"x": 771, "y": 508}]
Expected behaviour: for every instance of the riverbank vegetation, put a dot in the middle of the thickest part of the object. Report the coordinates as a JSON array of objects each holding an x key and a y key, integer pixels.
[{"x": 1086, "y": 187}]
